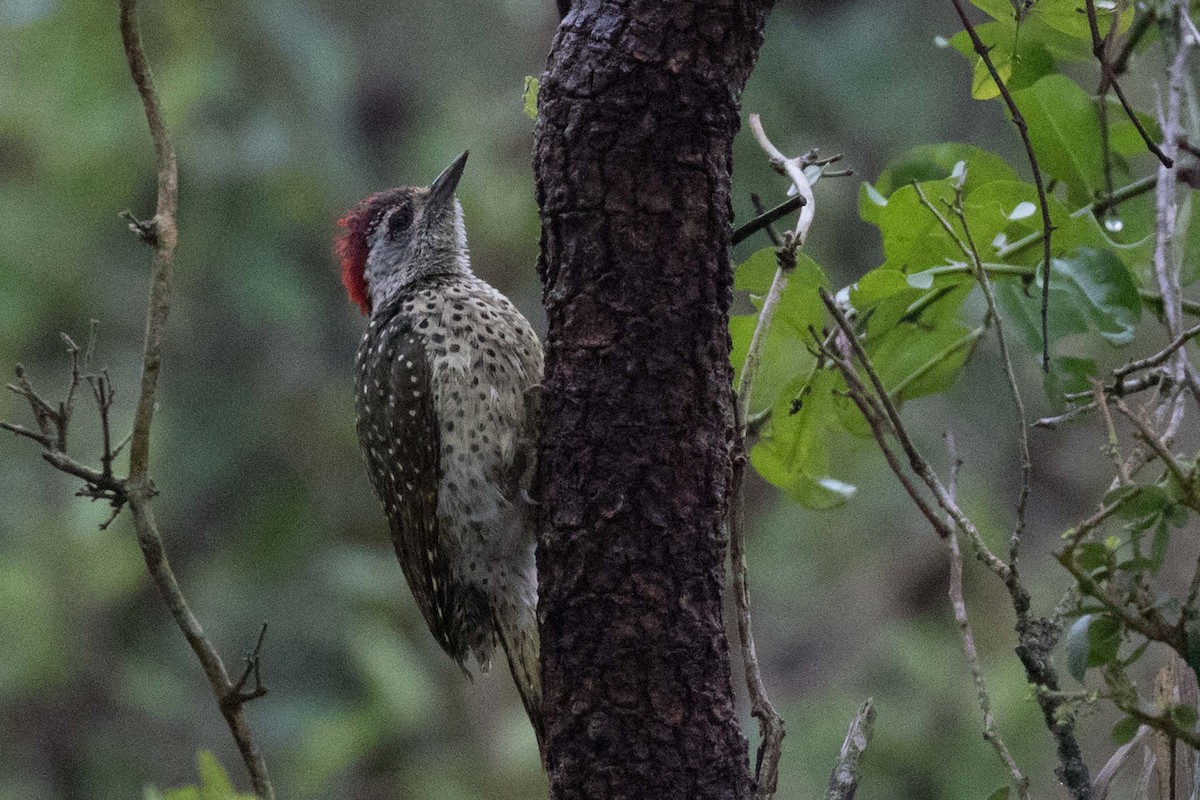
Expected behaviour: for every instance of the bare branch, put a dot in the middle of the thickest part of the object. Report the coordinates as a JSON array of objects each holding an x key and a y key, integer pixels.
[
  {"x": 253, "y": 667},
  {"x": 1037, "y": 636},
  {"x": 1109, "y": 771},
  {"x": 160, "y": 232},
  {"x": 771, "y": 726},
  {"x": 1018, "y": 119},
  {"x": 879, "y": 428},
  {"x": 967, "y": 244},
  {"x": 793, "y": 168},
  {"x": 959, "y": 603},
  {"x": 1113, "y": 449},
  {"x": 768, "y": 226},
  {"x": 1148, "y": 435},
  {"x": 164, "y": 241},
  {"x": 20, "y": 430},
  {"x": 916, "y": 461},
  {"x": 843, "y": 781},
  {"x": 1109, "y": 80},
  {"x": 765, "y": 218},
  {"x": 1158, "y": 358}
]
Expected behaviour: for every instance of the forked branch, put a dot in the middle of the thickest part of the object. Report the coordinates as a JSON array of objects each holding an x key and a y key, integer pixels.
[{"x": 136, "y": 489}]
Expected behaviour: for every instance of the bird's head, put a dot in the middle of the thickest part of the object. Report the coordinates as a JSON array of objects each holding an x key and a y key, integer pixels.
[{"x": 396, "y": 237}]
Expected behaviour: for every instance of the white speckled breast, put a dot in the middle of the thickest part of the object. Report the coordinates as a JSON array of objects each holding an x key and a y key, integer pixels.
[{"x": 486, "y": 365}]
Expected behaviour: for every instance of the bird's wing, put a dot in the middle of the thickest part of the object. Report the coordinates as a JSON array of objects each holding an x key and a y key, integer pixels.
[{"x": 398, "y": 430}]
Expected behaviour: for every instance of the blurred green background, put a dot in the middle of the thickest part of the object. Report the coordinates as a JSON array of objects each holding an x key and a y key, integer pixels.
[{"x": 284, "y": 114}]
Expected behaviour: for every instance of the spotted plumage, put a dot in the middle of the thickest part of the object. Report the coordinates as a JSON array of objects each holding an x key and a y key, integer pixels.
[{"x": 447, "y": 375}]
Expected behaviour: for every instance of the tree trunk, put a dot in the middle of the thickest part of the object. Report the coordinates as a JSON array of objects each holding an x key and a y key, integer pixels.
[{"x": 638, "y": 109}]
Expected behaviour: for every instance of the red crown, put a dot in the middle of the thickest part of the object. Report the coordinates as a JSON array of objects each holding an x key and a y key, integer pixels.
[{"x": 351, "y": 245}]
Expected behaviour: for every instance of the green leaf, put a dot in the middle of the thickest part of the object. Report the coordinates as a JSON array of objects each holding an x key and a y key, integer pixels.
[
  {"x": 1104, "y": 640},
  {"x": 914, "y": 354},
  {"x": 1125, "y": 730},
  {"x": 876, "y": 286},
  {"x": 785, "y": 353},
  {"x": 1068, "y": 374},
  {"x": 780, "y": 360},
  {"x": 1090, "y": 291},
  {"x": 1094, "y": 556},
  {"x": 1092, "y": 641},
  {"x": 800, "y": 306},
  {"x": 1123, "y": 137},
  {"x": 214, "y": 784},
  {"x": 214, "y": 781},
  {"x": 933, "y": 162},
  {"x": 1004, "y": 792},
  {"x": 1065, "y": 133},
  {"x": 793, "y": 453},
  {"x": 870, "y": 203},
  {"x": 529, "y": 96},
  {"x": 1004, "y": 211},
  {"x": 1019, "y": 59},
  {"x": 1143, "y": 502},
  {"x": 1159, "y": 545},
  {"x": 996, "y": 9},
  {"x": 1104, "y": 295},
  {"x": 912, "y": 237},
  {"x": 1193, "y": 645},
  {"x": 1184, "y": 716},
  {"x": 1067, "y": 16},
  {"x": 914, "y": 362}
]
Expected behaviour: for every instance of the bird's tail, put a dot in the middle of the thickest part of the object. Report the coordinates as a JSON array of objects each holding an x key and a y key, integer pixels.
[{"x": 519, "y": 637}]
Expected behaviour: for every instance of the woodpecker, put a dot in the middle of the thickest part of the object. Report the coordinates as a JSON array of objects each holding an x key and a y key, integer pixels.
[{"x": 447, "y": 378}]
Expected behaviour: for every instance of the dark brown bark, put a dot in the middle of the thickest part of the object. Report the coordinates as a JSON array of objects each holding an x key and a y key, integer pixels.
[{"x": 638, "y": 109}]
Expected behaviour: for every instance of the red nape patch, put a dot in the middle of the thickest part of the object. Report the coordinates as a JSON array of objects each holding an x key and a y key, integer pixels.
[{"x": 351, "y": 245}]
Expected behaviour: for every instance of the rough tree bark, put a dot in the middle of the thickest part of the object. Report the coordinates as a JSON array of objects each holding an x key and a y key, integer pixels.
[{"x": 638, "y": 109}]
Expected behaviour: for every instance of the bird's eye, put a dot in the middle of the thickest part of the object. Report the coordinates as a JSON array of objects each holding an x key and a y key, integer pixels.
[{"x": 399, "y": 220}]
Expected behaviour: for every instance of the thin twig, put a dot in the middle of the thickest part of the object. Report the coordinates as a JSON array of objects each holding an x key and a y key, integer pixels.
[
  {"x": 253, "y": 667},
  {"x": 843, "y": 781},
  {"x": 1098, "y": 208},
  {"x": 967, "y": 244},
  {"x": 1164, "y": 724},
  {"x": 1158, "y": 358},
  {"x": 765, "y": 218},
  {"x": 877, "y": 421},
  {"x": 139, "y": 487},
  {"x": 1018, "y": 119},
  {"x": 768, "y": 227},
  {"x": 1141, "y": 23},
  {"x": 1146, "y": 622},
  {"x": 1166, "y": 271},
  {"x": 793, "y": 168},
  {"x": 1155, "y": 442},
  {"x": 771, "y": 725},
  {"x": 1104, "y": 777},
  {"x": 1113, "y": 449},
  {"x": 916, "y": 461},
  {"x": 959, "y": 604},
  {"x": 1036, "y": 636},
  {"x": 1109, "y": 80}
]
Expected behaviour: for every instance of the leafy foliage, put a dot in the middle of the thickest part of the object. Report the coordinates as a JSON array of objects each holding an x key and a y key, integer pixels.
[
  {"x": 962, "y": 242},
  {"x": 214, "y": 784},
  {"x": 918, "y": 313}
]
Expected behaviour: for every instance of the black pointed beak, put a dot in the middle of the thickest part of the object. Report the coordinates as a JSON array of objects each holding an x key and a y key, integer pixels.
[{"x": 441, "y": 191}]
